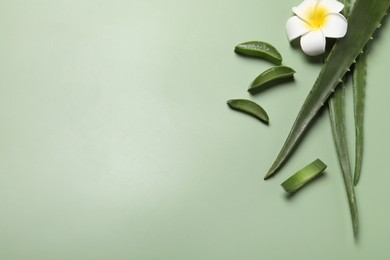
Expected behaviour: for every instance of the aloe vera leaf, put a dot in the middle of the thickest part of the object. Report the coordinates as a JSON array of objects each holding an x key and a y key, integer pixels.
[
  {"x": 260, "y": 49},
  {"x": 303, "y": 176},
  {"x": 359, "y": 89},
  {"x": 365, "y": 18},
  {"x": 271, "y": 75},
  {"x": 336, "y": 104},
  {"x": 347, "y": 7},
  {"x": 250, "y": 108},
  {"x": 337, "y": 114}
]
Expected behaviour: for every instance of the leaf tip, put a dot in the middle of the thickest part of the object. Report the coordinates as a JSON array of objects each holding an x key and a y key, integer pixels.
[
  {"x": 355, "y": 180},
  {"x": 269, "y": 173}
]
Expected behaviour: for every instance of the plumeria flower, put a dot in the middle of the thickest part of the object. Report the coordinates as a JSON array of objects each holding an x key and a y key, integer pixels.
[{"x": 314, "y": 21}]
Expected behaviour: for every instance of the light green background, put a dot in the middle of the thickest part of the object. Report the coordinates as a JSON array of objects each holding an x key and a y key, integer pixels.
[{"x": 116, "y": 141}]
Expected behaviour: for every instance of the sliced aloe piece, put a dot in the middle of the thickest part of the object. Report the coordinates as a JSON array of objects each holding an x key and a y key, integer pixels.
[
  {"x": 303, "y": 176},
  {"x": 260, "y": 49},
  {"x": 270, "y": 76},
  {"x": 250, "y": 108}
]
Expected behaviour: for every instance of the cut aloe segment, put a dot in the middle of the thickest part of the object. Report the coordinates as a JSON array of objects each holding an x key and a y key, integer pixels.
[
  {"x": 250, "y": 108},
  {"x": 303, "y": 176},
  {"x": 260, "y": 49},
  {"x": 270, "y": 76}
]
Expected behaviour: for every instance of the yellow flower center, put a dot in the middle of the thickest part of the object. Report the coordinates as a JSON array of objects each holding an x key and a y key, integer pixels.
[{"x": 317, "y": 17}]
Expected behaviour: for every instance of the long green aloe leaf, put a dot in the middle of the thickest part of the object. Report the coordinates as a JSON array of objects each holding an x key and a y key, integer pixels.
[
  {"x": 337, "y": 116},
  {"x": 347, "y": 7},
  {"x": 364, "y": 20},
  {"x": 359, "y": 89},
  {"x": 336, "y": 104}
]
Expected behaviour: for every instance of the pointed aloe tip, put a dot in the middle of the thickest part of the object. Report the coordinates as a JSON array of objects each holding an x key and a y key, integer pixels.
[
  {"x": 355, "y": 223},
  {"x": 355, "y": 181},
  {"x": 274, "y": 168},
  {"x": 355, "y": 231},
  {"x": 270, "y": 173},
  {"x": 356, "y": 177}
]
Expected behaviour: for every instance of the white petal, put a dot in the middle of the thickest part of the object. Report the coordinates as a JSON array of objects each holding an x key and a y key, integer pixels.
[
  {"x": 296, "y": 27},
  {"x": 313, "y": 43},
  {"x": 306, "y": 7},
  {"x": 332, "y": 6},
  {"x": 335, "y": 27}
]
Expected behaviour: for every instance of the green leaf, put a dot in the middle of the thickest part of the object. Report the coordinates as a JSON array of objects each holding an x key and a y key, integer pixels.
[
  {"x": 304, "y": 176},
  {"x": 270, "y": 76},
  {"x": 359, "y": 89},
  {"x": 337, "y": 116},
  {"x": 336, "y": 104},
  {"x": 259, "y": 49},
  {"x": 363, "y": 21},
  {"x": 250, "y": 108},
  {"x": 347, "y": 7}
]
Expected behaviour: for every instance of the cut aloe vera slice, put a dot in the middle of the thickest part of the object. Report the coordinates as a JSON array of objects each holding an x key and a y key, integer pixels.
[
  {"x": 250, "y": 108},
  {"x": 304, "y": 176},
  {"x": 259, "y": 49}
]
